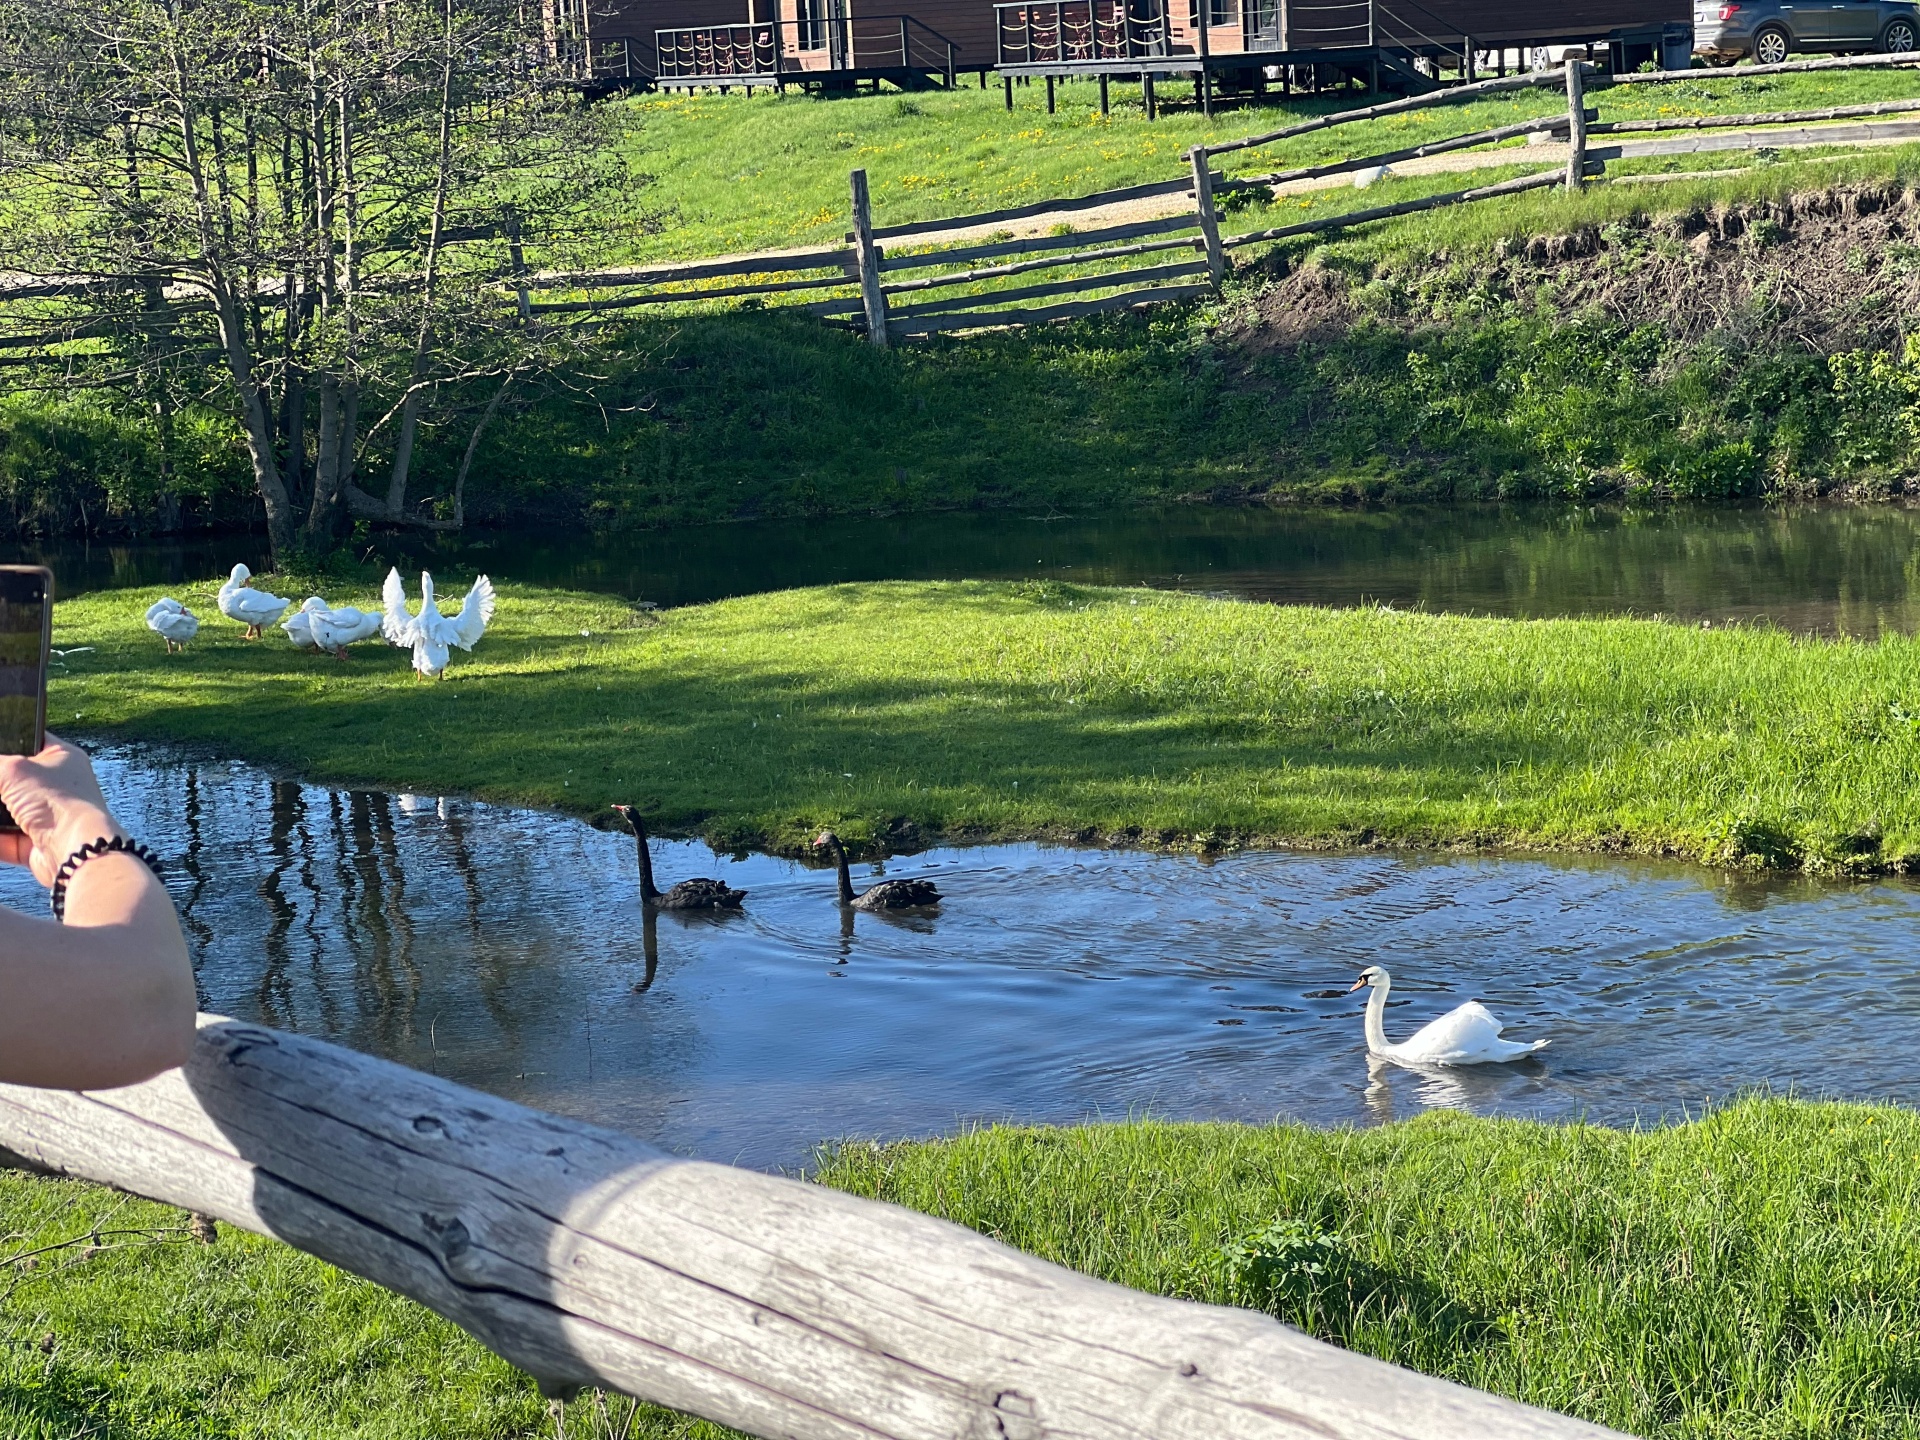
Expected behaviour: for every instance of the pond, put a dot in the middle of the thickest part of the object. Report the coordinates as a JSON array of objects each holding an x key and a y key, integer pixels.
[
  {"x": 1828, "y": 570},
  {"x": 507, "y": 949}
]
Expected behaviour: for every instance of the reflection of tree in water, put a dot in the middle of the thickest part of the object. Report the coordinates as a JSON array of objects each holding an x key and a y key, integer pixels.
[
  {"x": 273, "y": 995},
  {"x": 199, "y": 933},
  {"x": 492, "y": 978},
  {"x": 379, "y": 930}
]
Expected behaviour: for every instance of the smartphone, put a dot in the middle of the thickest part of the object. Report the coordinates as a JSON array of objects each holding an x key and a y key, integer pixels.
[{"x": 26, "y": 637}]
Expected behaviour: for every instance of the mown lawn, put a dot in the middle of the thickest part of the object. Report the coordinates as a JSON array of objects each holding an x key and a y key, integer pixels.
[
  {"x": 979, "y": 709},
  {"x": 1752, "y": 1275}
]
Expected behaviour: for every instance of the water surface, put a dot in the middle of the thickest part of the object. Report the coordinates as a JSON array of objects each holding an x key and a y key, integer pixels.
[
  {"x": 1829, "y": 570},
  {"x": 507, "y": 949}
]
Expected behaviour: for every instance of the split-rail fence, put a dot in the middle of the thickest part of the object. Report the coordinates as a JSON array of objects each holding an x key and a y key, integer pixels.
[
  {"x": 956, "y": 273},
  {"x": 971, "y": 272},
  {"x": 784, "y": 1308}
]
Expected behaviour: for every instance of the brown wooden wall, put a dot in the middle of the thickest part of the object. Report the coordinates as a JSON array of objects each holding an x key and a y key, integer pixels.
[
  {"x": 873, "y": 34},
  {"x": 637, "y": 20},
  {"x": 1488, "y": 22}
]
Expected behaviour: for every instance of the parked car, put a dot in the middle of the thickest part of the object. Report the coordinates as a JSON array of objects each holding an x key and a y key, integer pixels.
[{"x": 1772, "y": 30}]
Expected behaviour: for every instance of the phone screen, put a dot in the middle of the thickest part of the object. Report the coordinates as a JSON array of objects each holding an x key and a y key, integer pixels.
[{"x": 26, "y": 601}]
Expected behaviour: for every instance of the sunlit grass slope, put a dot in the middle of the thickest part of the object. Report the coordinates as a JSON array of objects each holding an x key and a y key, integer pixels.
[
  {"x": 732, "y": 172},
  {"x": 1755, "y": 1275},
  {"x": 1752, "y": 1276},
  {"x": 976, "y": 708}
]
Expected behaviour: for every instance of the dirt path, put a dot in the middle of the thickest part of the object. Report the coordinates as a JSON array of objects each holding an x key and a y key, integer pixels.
[{"x": 1547, "y": 155}]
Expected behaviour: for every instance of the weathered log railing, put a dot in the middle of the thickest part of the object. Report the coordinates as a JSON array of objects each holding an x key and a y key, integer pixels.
[{"x": 783, "y": 1308}]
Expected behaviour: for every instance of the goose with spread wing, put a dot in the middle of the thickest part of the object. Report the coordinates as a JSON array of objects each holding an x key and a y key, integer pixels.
[
  {"x": 431, "y": 635},
  {"x": 172, "y": 622},
  {"x": 1468, "y": 1035},
  {"x": 255, "y": 609}
]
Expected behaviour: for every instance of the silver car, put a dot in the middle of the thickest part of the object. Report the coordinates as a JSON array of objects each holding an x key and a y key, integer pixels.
[{"x": 1772, "y": 30}]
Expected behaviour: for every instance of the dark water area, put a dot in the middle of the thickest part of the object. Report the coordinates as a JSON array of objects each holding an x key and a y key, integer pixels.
[
  {"x": 507, "y": 949},
  {"x": 1822, "y": 570}
]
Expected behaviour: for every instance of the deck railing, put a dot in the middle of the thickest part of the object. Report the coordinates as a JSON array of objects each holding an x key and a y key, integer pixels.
[
  {"x": 775, "y": 50},
  {"x": 1051, "y": 32}
]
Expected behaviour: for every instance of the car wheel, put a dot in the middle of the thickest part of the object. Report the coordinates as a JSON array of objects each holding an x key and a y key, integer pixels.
[
  {"x": 1771, "y": 46},
  {"x": 1900, "y": 37}
]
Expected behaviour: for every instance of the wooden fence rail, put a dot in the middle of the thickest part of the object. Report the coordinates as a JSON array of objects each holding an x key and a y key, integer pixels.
[
  {"x": 1122, "y": 263},
  {"x": 782, "y": 1308}
]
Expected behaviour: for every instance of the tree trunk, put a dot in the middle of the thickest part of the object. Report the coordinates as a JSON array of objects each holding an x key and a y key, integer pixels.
[
  {"x": 473, "y": 444},
  {"x": 333, "y": 467},
  {"x": 403, "y": 447},
  {"x": 429, "y": 290}
]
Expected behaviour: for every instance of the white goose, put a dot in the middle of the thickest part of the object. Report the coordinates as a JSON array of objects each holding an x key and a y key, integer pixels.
[
  {"x": 172, "y": 622},
  {"x": 318, "y": 626},
  {"x": 299, "y": 625},
  {"x": 1468, "y": 1035},
  {"x": 430, "y": 634},
  {"x": 252, "y": 608},
  {"x": 342, "y": 625}
]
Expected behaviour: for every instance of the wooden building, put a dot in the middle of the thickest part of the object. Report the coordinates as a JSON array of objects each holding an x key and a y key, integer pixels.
[
  {"x": 624, "y": 34},
  {"x": 1113, "y": 37},
  {"x": 815, "y": 43},
  {"x": 836, "y": 43}
]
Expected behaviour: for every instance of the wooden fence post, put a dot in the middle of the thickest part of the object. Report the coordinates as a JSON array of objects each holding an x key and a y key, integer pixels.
[
  {"x": 518, "y": 258},
  {"x": 1576, "y": 123},
  {"x": 1203, "y": 208},
  {"x": 867, "y": 255}
]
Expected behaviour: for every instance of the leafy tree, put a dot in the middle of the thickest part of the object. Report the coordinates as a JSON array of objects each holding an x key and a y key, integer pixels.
[{"x": 313, "y": 212}]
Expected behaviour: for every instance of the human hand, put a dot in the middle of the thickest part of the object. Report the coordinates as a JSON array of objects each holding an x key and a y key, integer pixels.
[{"x": 55, "y": 800}]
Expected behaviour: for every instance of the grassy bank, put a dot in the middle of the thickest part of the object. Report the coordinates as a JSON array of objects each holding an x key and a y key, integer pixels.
[
  {"x": 733, "y": 172},
  {"x": 980, "y": 709},
  {"x": 1752, "y": 1275},
  {"x": 1510, "y": 348}
]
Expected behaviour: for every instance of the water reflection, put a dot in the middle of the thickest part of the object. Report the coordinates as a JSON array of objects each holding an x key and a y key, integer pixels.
[
  {"x": 1832, "y": 570},
  {"x": 509, "y": 950}
]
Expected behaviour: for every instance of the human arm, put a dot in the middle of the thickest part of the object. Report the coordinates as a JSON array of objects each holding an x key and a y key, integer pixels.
[{"x": 107, "y": 998}]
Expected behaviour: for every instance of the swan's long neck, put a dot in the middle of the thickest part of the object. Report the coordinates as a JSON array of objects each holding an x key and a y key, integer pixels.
[
  {"x": 846, "y": 880},
  {"x": 647, "y": 890},
  {"x": 1376, "y": 1016}
]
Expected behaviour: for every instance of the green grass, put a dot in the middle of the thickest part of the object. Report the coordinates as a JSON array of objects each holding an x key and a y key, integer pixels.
[
  {"x": 1007, "y": 709},
  {"x": 691, "y": 418},
  {"x": 1754, "y": 1275},
  {"x": 148, "y": 1334},
  {"x": 732, "y": 172}
]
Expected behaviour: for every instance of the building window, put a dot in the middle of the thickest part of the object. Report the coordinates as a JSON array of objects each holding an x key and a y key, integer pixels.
[
  {"x": 1219, "y": 12},
  {"x": 811, "y": 15}
]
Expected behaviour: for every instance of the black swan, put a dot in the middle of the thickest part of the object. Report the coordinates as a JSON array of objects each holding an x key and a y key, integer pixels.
[
  {"x": 688, "y": 894},
  {"x": 887, "y": 895}
]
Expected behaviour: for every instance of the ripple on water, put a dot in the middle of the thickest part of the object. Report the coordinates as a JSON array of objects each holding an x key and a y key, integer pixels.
[{"x": 506, "y": 949}]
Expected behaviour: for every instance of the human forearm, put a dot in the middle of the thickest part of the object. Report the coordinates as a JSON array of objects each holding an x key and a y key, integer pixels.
[
  {"x": 108, "y": 997},
  {"x": 105, "y": 999}
]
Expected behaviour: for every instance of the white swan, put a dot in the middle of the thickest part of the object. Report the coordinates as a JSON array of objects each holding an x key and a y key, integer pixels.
[
  {"x": 430, "y": 634},
  {"x": 253, "y": 608},
  {"x": 318, "y": 626},
  {"x": 173, "y": 622},
  {"x": 1466, "y": 1036}
]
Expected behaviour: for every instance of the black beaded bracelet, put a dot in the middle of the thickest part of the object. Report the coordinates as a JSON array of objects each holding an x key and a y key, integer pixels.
[{"x": 102, "y": 846}]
